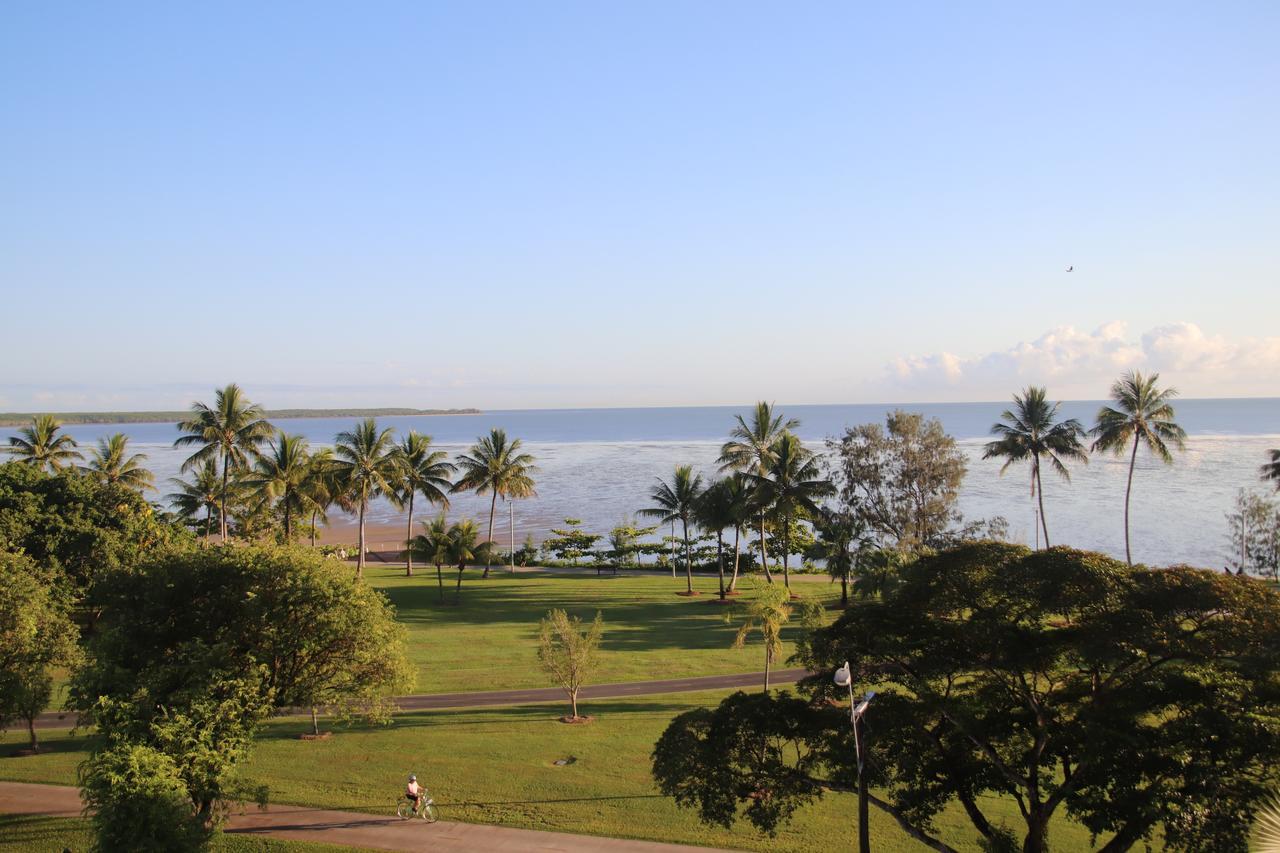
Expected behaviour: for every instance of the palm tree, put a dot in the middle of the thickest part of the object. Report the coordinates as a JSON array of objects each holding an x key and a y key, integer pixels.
[
  {"x": 716, "y": 510},
  {"x": 202, "y": 494},
  {"x": 320, "y": 487},
  {"x": 1271, "y": 471},
  {"x": 742, "y": 499},
  {"x": 464, "y": 549},
  {"x": 791, "y": 486},
  {"x": 425, "y": 471},
  {"x": 110, "y": 462},
  {"x": 767, "y": 613},
  {"x": 678, "y": 501},
  {"x": 1030, "y": 432},
  {"x": 281, "y": 477},
  {"x": 495, "y": 465},
  {"x": 231, "y": 430},
  {"x": 41, "y": 446},
  {"x": 1143, "y": 413},
  {"x": 433, "y": 545},
  {"x": 750, "y": 449},
  {"x": 840, "y": 542},
  {"x": 366, "y": 466}
]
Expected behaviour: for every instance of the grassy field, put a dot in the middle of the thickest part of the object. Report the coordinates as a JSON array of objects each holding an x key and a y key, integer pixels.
[
  {"x": 35, "y": 834},
  {"x": 488, "y": 641},
  {"x": 497, "y": 766}
]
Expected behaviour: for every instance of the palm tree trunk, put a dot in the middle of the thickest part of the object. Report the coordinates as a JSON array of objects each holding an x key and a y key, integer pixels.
[
  {"x": 720, "y": 560},
  {"x": 408, "y": 552},
  {"x": 766, "y": 667},
  {"x": 764, "y": 556},
  {"x": 457, "y": 593},
  {"x": 222, "y": 510},
  {"x": 315, "y": 724},
  {"x": 844, "y": 590},
  {"x": 688, "y": 561},
  {"x": 440, "y": 580},
  {"x": 1040, "y": 495},
  {"x": 1133, "y": 458},
  {"x": 313, "y": 528},
  {"x": 288, "y": 528},
  {"x": 488, "y": 557},
  {"x": 786, "y": 551},
  {"x": 360, "y": 556},
  {"x": 733, "y": 584}
]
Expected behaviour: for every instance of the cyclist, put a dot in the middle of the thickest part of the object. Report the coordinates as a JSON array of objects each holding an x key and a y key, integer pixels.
[{"x": 414, "y": 791}]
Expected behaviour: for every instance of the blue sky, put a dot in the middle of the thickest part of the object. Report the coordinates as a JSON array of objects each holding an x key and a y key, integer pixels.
[{"x": 563, "y": 204}]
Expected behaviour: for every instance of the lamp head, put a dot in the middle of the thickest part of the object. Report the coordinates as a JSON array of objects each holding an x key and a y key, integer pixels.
[{"x": 842, "y": 677}]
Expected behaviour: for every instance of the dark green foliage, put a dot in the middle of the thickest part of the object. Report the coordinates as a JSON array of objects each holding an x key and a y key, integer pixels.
[
  {"x": 570, "y": 542},
  {"x": 140, "y": 803},
  {"x": 77, "y": 526},
  {"x": 1132, "y": 699}
]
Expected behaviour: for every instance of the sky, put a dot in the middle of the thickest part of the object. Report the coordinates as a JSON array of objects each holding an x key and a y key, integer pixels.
[{"x": 524, "y": 205}]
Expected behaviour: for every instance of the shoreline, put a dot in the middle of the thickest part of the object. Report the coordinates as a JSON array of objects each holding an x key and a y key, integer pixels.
[{"x": 15, "y": 419}]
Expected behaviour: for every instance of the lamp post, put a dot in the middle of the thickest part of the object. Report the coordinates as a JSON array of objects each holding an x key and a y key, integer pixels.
[{"x": 857, "y": 707}]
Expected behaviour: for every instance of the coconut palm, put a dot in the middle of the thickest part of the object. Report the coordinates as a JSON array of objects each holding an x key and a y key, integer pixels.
[
  {"x": 495, "y": 465},
  {"x": 718, "y": 509},
  {"x": 202, "y": 494},
  {"x": 1031, "y": 431},
  {"x": 790, "y": 487},
  {"x": 110, "y": 462},
  {"x": 465, "y": 549},
  {"x": 742, "y": 499},
  {"x": 320, "y": 488},
  {"x": 1271, "y": 471},
  {"x": 767, "y": 613},
  {"x": 750, "y": 449},
  {"x": 231, "y": 431},
  {"x": 366, "y": 466},
  {"x": 41, "y": 446},
  {"x": 280, "y": 477},
  {"x": 841, "y": 540},
  {"x": 678, "y": 501},
  {"x": 422, "y": 471},
  {"x": 433, "y": 545},
  {"x": 1142, "y": 413}
]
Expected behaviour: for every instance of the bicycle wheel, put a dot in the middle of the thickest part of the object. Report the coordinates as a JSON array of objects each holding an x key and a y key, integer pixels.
[
  {"x": 429, "y": 812},
  {"x": 404, "y": 809}
]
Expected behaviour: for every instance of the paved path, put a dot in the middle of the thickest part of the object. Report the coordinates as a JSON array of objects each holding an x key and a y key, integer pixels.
[
  {"x": 497, "y": 698},
  {"x": 354, "y": 829}
]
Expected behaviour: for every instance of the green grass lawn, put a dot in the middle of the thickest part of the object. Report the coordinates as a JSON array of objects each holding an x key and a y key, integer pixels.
[
  {"x": 35, "y": 834},
  {"x": 496, "y": 766},
  {"x": 489, "y": 640}
]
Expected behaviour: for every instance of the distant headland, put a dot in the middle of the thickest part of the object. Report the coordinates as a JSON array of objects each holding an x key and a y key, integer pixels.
[{"x": 20, "y": 418}]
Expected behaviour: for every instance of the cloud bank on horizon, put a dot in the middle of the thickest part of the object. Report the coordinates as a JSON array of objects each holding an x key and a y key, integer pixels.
[{"x": 1081, "y": 365}]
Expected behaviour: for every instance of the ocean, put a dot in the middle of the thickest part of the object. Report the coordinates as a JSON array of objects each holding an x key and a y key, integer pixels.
[{"x": 599, "y": 464}]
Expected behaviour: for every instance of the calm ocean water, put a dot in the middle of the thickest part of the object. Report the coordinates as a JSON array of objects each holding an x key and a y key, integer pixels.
[{"x": 598, "y": 465}]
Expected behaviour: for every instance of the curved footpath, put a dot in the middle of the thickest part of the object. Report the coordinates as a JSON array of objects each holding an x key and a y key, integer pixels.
[
  {"x": 539, "y": 695},
  {"x": 354, "y": 829}
]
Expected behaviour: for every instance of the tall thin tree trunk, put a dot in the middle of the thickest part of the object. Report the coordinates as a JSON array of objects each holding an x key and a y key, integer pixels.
[
  {"x": 1133, "y": 458},
  {"x": 688, "y": 560},
  {"x": 786, "y": 551},
  {"x": 764, "y": 555},
  {"x": 222, "y": 518},
  {"x": 457, "y": 593},
  {"x": 488, "y": 556},
  {"x": 766, "y": 667},
  {"x": 288, "y": 528},
  {"x": 573, "y": 702},
  {"x": 360, "y": 556},
  {"x": 1044, "y": 525},
  {"x": 844, "y": 590},
  {"x": 313, "y": 528},
  {"x": 720, "y": 560},
  {"x": 440, "y": 580},
  {"x": 408, "y": 551},
  {"x": 733, "y": 584},
  {"x": 315, "y": 724},
  {"x": 31, "y": 729}
]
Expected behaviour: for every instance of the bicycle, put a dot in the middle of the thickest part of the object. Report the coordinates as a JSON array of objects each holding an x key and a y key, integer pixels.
[{"x": 425, "y": 808}]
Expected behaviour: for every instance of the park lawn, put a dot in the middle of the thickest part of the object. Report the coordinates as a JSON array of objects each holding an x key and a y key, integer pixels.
[
  {"x": 38, "y": 834},
  {"x": 488, "y": 641},
  {"x": 495, "y": 766}
]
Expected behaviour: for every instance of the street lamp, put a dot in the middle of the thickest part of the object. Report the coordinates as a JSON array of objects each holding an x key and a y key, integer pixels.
[{"x": 857, "y": 707}]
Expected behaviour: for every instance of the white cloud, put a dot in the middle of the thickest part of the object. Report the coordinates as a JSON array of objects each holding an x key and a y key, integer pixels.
[{"x": 1080, "y": 364}]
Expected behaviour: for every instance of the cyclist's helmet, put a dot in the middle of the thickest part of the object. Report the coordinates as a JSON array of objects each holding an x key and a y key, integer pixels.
[{"x": 413, "y": 778}]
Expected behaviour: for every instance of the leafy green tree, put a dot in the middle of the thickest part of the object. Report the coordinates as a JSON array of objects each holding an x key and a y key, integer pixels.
[
  {"x": 750, "y": 449},
  {"x": 495, "y": 465},
  {"x": 465, "y": 549},
  {"x": 36, "y": 635},
  {"x": 841, "y": 541},
  {"x": 366, "y": 466},
  {"x": 768, "y": 612},
  {"x": 902, "y": 479},
  {"x": 1254, "y": 531},
  {"x": 1271, "y": 470},
  {"x": 720, "y": 506},
  {"x": 625, "y": 546},
  {"x": 434, "y": 545},
  {"x": 111, "y": 462},
  {"x": 77, "y": 526},
  {"x": 422, "y": 471},
  {"x": 41, "y": 446},
  {"x": 791, "y": 487},
  {"x": 678, "y": 501},
  {"x": 1134, "y": 700},
  {"x": 1143, "y": 414},
  {"x": 1032, "y": 431},
  {"x": 321, "y": 488},
  {"x": 571, "y": 542},
  {"x": 230, "y": 432},
  {"x": 567, "y": 653},
  {"x": 202, "y": 494},
  {"x": 280, "y": 476}
]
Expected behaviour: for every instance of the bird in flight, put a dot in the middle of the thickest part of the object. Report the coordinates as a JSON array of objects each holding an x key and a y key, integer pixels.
[{"x": 1070, "y": 268}]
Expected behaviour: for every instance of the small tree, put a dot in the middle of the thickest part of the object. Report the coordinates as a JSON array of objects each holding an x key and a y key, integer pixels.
[
  {"x": 568, "y": 653},
  {"x": 570, "y": 542},
  {"x": 36, "y": 634},
  {"x": 1254, "y": 532},
  {"x": 768, "y": 613}
]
